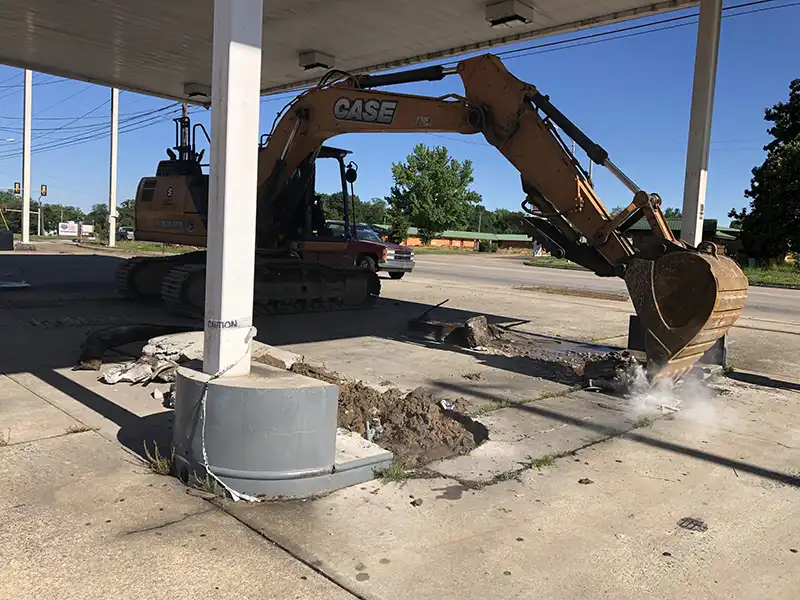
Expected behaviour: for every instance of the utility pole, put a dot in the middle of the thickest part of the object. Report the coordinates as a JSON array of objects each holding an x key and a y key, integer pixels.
[
  {"x": 26, "y": 157},
  {"x": 112, "y": 177},
  {"x": 480, "y": 217}
]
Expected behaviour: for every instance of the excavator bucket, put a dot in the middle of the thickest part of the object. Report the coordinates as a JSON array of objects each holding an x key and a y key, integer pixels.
[{"x": 686, "y": 300}]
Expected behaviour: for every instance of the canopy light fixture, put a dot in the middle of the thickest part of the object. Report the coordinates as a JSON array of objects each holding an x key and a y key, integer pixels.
[
  {"x": 313, "y": 60},
  {"x": 509, "y": 13}
]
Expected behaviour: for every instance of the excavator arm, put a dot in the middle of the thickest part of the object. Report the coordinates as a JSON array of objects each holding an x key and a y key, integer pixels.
[{"x": 686, "y": 297}]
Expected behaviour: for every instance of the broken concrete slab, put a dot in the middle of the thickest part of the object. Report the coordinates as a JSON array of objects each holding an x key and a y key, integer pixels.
[
  {"x": 188, "y": 346},
  {"x": 526, "y": 432}
]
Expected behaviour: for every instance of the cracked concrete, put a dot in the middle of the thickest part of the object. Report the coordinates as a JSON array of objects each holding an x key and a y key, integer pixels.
[{"x": 84, "y": 518}]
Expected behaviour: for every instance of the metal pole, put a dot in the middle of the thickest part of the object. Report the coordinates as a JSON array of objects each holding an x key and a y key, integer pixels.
[
  {"x": 480, "y": 217},
  {"x": 39, "y": 222},
  {"x": 184, "y": 132},
  {"x": 112, "y": 176},
  {"x": 26, "y": 158},
  {"x": 705, "y": 75},
  {"x": 230, "y": 262}
]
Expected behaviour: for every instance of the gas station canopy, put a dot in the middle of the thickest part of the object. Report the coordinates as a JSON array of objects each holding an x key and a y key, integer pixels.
[{"x": 164, "y": 47}]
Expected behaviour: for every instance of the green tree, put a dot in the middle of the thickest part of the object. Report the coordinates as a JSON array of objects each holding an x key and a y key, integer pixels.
[
  {"x": 431, "y": 190},
  {"x": 52, "y": 214},
  {"x": 126, "y": 213},
  {"x": 771, "y": 224},
  {"x": 372, "y": 212},
  {"x": 99, "y": 215},
  {"x": 673, "y": 213},
  {"x": 398, "y": 226}
]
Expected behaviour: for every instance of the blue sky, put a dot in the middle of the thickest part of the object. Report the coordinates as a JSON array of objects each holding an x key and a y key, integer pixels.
[{"x": 631, "y": 95}]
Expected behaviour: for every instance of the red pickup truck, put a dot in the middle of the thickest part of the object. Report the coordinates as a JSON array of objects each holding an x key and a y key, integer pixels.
[{"x": 359, "y": 245}]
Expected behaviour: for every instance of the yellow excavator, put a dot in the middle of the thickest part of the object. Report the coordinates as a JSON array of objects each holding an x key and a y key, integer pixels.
[{"x": 686, "y": 297}]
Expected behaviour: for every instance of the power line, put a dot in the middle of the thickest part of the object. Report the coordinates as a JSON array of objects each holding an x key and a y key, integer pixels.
[
  {"x": 605, "y": 35},
  {"x": 10, "y": 78},
  {"x": 96, "y": 108},
  {"x": 609, "y": 36},
  {"x": 141, "y": 123},
  {"x": 53, "y": 80},
  {"x": 63, "y": 100}
]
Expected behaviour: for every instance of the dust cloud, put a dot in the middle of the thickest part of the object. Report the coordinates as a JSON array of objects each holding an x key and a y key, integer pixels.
[{"x": 690, "y": 399}]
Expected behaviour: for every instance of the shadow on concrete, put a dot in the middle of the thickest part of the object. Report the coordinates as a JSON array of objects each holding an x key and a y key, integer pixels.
[
  {"x": 60, "y": 272},
  {"x": 764, "y": 380},
  {"x": 54, "y": 278},
  {"x": 134, "y": 430},
  {"x": 641, "y": 438}
]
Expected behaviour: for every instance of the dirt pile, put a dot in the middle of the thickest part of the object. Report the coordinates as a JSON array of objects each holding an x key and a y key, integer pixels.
[{"x": 415, "y": 427}]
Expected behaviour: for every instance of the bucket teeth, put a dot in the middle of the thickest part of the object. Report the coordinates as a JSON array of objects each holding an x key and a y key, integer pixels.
[{"x": 686, "y": 300}]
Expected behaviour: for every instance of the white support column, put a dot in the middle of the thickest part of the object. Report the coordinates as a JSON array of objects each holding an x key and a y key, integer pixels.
[
  {"x": 26, "y": 157},
  {"x": 705, "y": 76},
  {"x": 235, "y": 96},
  {"x": 112, "y": 174}
]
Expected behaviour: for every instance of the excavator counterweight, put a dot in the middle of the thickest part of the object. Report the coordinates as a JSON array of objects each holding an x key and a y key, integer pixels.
[{"x": 686, "y": 297}]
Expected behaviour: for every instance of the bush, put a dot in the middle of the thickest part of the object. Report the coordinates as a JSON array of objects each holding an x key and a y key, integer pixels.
[{"x": 486, "y": 246}]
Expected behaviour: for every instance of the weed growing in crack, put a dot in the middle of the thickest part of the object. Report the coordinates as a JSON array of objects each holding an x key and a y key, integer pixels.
[
  {"x": 393, "y": 474},
  {"x": 643, "y": 421},
  {"x": 548, "y": 460},
  {"x": 490, "y": 407},
  {"x": 209, "y": 485},
  {"x": 79, "y": 428},
  {"x": 728, "y": 369},
  {"x": 5, "y": 438},
  {"x": 160, "y": 465}
]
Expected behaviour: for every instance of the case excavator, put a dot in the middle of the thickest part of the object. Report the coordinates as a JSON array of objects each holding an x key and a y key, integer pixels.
[{"x": 686, "y": 297}]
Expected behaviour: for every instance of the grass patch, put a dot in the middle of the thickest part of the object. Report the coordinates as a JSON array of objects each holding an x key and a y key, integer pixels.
[
  {"x": 160, "y": 465},
  {"x": 551, "y": 262},
  {"x": 79, "y": 428},
  {"x": 643, "y": 421},
  {"x": 782, "y": 275},
  {"x": 548, "y": 460},
  {"x": 492, "y": 406},
  {"x": 136, "y": 246},
  {"x": 393, "y": 474}
]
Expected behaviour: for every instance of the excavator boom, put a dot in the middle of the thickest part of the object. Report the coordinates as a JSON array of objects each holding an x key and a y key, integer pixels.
[{"x": 686, "y": 297}]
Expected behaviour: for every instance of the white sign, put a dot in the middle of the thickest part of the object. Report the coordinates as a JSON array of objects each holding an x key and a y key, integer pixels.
[{"x": 68, "y": 229}]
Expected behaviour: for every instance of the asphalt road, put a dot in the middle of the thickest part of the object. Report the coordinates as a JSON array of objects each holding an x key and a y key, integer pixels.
[
  {"x": 762, "y": 303},
  {"x": 86, "y": 270}
]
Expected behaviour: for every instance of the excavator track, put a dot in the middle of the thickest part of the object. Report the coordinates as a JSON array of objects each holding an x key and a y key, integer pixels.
[
  {"x": 282, "y": 286},
  {"x": 139, "y": 278}
]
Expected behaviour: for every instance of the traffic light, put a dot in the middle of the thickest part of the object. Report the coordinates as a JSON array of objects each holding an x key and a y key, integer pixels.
[
  {"x": 44, "y": 190},
  {"x": 17, "y": 187}
]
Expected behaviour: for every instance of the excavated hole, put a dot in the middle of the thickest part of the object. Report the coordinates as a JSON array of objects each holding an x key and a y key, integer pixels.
[{"x": 413, "y": 426}]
